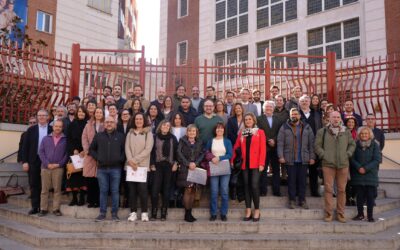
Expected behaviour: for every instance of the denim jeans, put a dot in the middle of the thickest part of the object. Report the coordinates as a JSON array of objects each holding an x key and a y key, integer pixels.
[
  {"x": 297, "y": 176},
  {"x": 219, "y": 184},
  {"x": 109, "y": 179}
]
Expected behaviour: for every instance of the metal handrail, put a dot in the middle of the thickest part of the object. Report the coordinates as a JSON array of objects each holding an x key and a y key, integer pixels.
[{"x": 8, "y": 156}]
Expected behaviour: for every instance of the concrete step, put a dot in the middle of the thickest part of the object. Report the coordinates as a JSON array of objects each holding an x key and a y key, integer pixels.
[
  {"x": 8, "y": 244},
  {"x": 384, "y": 220},
  {"x": 42, "y": 238}
]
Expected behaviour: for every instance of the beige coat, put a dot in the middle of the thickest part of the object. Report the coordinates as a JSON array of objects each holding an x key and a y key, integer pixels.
[
  {"x": 89, "y": 164},
  {"x": 145, "y": 104},
  {"x": 138, "y": 147}
]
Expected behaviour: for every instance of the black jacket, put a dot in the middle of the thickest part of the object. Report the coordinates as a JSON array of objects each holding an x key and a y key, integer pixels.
[
  {"x": 174, "y": 143},
  {"x": 379, "y": 137},
  {"x": 108, "y": 149},
  {"x": 30, "y": 144},
  {"x": 20, "y": 145},
  {"x": 120, "y": 104},
  {"x": 74, "y": 136},
  {"x": 270, "y": 132},
  {"x": 314, "y": 120},
  {"x": 232, "y": 129},
  {"x": 189, "y": 116}
]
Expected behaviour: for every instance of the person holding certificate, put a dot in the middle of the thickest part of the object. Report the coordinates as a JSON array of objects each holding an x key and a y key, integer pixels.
[
  {"x": 221, "y": 148},
  {"x": 190, "y": 153},
  {"x": 252, "y": 142},
  {"x": 138, "y": 146},
  {"x": 163, "y": 164}
]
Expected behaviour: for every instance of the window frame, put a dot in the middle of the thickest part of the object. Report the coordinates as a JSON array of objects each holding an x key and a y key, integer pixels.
[
  {"x": 178, "y": 58},
  {"x": 224, "y": 70},
  {"x": 179, "y": 14},
  {"x": 226, "y": 19},
  {"x": 269, "y": 7},
  {"x": 106, "y": 9},
  {"x": 42, "y": 29},
  {"x": 323, "y": 9}
]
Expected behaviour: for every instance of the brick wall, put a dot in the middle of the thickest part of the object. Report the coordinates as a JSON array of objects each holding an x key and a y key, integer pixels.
[{"x": 392, "y": 13}]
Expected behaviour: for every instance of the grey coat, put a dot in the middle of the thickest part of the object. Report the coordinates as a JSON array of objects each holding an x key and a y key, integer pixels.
[
  {"x": 286, "y": 143},
  {"x": 250, "y": 108}
]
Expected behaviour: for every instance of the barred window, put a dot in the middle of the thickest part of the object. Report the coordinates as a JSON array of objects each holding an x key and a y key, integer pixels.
[
  {"x": 181, "y": 53},
  {"x": 236, "y": 62},
  {"x": 315, "y": 37},
  {"x": 275, "y": 11},
  {"x": 333, "y": 32},
  {"x": 231, "y": 18},
  {"x": 183, "y": 6},
  {"x": 315, "y": 6},
  {"x": 329, "y": 4}
]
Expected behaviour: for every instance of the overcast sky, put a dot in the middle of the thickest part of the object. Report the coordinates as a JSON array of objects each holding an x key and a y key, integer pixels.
[{"x": 149, "y": 26}]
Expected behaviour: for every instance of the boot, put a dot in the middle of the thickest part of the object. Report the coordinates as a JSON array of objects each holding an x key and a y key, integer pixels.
[
  {"x": 81, "y": 201},
  {"x": 153, "y": 214},
  {"x": 188, "y": 215},
  {"x": 74, "y": 200},
  {"x": 163, "y": 213}
]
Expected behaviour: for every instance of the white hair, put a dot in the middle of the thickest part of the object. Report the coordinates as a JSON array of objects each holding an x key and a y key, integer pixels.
[
  {"x": 304, "y": 97},
  {"x": 266, "y": 103}
]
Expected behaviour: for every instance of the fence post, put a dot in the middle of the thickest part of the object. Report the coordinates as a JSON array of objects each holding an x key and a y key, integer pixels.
[
  {"x": 205, "y": 78},
  {"x": 331, "y": 78},
  {"x": 75, "y": 70},
  {"x": 142, "y": 69},
  {"x": 267, "y": 64}
]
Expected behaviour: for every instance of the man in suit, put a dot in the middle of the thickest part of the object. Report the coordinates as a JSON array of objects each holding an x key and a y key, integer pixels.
[
  {"x": 245, "y": 100},
  {"x": 349, "y": 111},
  {"x": 257, "y": 101},
  {"x": 229, "y": 101},
  {"x": 270, "y": 123},
  {"x": 30, "y": 156}
]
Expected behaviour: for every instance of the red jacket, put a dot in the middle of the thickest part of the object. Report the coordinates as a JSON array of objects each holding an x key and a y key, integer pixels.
[{"x": 258, "y": 149}]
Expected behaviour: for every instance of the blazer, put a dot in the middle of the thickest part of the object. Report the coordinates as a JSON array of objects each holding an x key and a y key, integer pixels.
[
  {"x": 262, "y": 110},
  {"x": 233, "y": 129},
  {"x": 250, "y": 107},
  {"x": 30, "y": 144},
  {"x": 270, "y": 132}
]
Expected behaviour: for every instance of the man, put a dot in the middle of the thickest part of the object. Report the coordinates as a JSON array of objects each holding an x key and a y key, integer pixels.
[
  {"x": 210, "y": 95},
  {"x": 107, "y": 91},
  {"x": 107, "y": 149},
  {"x": 61, "y": 113},
  {"x": 229, "y": 101},
  {"x": 113, "y": 112},
  {"x": 137, "y": 93},
  {"x": 196, "y": 99},
  {"x": 76, "y": 100},
  {"x": 379, "y": 136},
  {"x": 271, "y": 125},
  {"x": 180, "y": 92},
  {"x": 188, "y": 112},
  {"x": 273, "y": 91},
  {"x": 129, "y": 94},
  {"x": 32, "y": 121},
  {"x": 207, "y": 121},
  {"x": 72, "y": 109},
  {"x": 118, "y": 99},
  {"x": 107, "y": 103},
  {"x": 257, "y": 101},
  {"x": 280, "y": 111},
  {"x": 159, "y": 102},
  {"x": 314, "y": 119},
  {"x": 349, "y": 111},
  {"x": 30, "y": 156},
  {"x": 334, "y": 145},
  {"x": 54, "y": 157},
  {"x": 296, "y": 151},
  {"x": 294, "y": 100},
  {"x": 247, "y": 105}
]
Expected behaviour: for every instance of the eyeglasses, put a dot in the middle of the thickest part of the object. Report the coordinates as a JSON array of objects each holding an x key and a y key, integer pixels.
[{"x": 125, "y": 113}]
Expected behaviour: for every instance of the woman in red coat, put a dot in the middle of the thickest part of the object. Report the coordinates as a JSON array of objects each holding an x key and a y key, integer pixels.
[{"x": 252, "y": 140}]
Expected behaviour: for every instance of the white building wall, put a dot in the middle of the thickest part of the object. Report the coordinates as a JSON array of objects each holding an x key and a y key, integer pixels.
[
  {"x": 91, "y": 28},
  {"x": 163, "y": 29}
]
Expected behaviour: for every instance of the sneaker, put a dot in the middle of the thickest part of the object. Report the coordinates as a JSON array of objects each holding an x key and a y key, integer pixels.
[
  {"x": 359, "y": 217},
  {"x": 145, "y": 217},
  {"x": 57, "y": 212},
  {"x": 115, "y": 218},
  {"x": 371, "y": 219},
  {"x": 340, "y": 218},
  {"x": 292, "y": 204},
  {"x": 328, "y": 218},
  {"x": 213, "y": 217},
  {"x": 224, "y": 218},
  {"x": 304, "y": 205},
  {"x": 132, "y": 216},
  {"x": 42, "y": 213},
  {"x": 101, "y": 217}
]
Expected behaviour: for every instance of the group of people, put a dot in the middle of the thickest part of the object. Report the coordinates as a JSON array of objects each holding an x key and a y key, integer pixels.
[{"x": 173, "y": 135}]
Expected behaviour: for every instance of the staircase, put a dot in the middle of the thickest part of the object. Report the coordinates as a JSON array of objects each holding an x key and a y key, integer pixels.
[{"x": 279, "y": 228}]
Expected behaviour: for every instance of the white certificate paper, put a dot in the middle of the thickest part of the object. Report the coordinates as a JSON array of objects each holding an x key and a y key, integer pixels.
[
  {"x": 222, "y": 168},
  {"x": 77, "y": 161},
  {"x": 198, "y": 175},
  {"x": 140, "y": 175}
]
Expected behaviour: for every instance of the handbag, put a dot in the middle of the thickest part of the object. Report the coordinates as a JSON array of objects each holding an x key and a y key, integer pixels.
[
  {"x": 12, "y": 189},
  {"x": 71, "y": 169}
]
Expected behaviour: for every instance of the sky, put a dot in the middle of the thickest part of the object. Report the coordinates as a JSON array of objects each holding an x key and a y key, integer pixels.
[{"x": 149, "y": 26}]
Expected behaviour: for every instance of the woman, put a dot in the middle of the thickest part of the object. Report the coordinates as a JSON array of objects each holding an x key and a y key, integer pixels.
[
  {"x": 154, "y": 116},
  {"x": 190, "y": 153},
  {"x": 364, "y": 172},
  {"x": 251, "y": 139},
  {"x": 178, "y": 125},
  {"x": 220, "y": 110},
  {"x": 123, "y": 122},
  {"x": 168, "y": 107},
  {"x": 235, "y": 122},
  {"x": 91, "y": 107},
  {"x": 138, "y": 146},
  {"x": 163, "y": 163},
  {"x": 76, "y": 183},
  {"x": 136, "y": 106},
  {"x": 85, "y": 101},
  {"x": 221, "y": 148},
  {"x": 95, "y": 125},
  {"x": 315, "y": 103},
  {"x": 351, "y": 124}
]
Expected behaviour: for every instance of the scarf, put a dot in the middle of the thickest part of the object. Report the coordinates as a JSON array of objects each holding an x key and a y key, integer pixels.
[
  {"x": 166, "y": 143},
  {"x": 249, "y": 131},
  {"x": 365, "y": 144}
]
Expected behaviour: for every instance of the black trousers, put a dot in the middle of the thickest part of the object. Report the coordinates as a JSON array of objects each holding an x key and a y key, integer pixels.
[
  {"x": 313, "y": 178},
  {"x": 93, "y": 192},
  {"x": 297, "y": 176},
  {"x": 251, "y": 179},
  {"x": 161, "y": 183},
  {"x": 35, "y": 182},
  {"x": 137, "y": 189},
  {"x": 365, "y": 193},
  {"x": 273, "y": 161}
]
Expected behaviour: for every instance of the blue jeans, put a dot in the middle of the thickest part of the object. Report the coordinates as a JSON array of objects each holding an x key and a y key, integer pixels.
[
  {"x": 109, "y": 179},
  {"x": 219, "y": 184},
  {"x": 297, "y": 176}
]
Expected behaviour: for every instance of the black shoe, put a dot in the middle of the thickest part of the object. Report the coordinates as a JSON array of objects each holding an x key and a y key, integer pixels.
[
  {"x": 90, "y": 205},
  {"x": 277, "y": 194},
  {"x": 164, "y": 213},
  {"x": 73, "y": 203},
  {"x": 101, "y": 217},
  {"x": 371, "y": 219},
  {"x": 359, "y": 217},
  {"x": 42, "y": 213},
  {"x": 172, "y": 204},
  {"x": 57, "y": 212},
  {"x": 248, "y": 218},
  {"x": 81, "y": 201},
  {"x": 257, "y": 219},
  {"x": 96, "y": 205},
  {"x": 263, "y": 194},
  {"x": 224, "y": 218},
  {"x": 316, "y": 195},
  {"x": 115, "y": 218},
  {"x": 34, "y": 211},
  {"x": 213, "y": 217},
  {"x": 188, "y": 216},
  {"x": 153, "y": 214}
]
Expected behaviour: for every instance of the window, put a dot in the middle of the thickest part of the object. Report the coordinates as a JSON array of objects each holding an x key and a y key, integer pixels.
[
  {"x": 275, "y": 12},
  {"x": 281, "y": 45},
  {"x": 342, "y": 38},
  {"x": 315, "y": 6},
  {"x": 183, "y": 8},
  {"x": 102, "y": 5},
  {"x": 235, "y": 61},
  {"x": 231, "y": 18},
  {"x": 181, "y": 52},
  {"x": 44, "y": 22}
]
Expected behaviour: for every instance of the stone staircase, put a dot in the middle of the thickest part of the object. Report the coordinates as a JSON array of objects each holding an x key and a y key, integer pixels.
[{"x": 279, "y": 228}]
